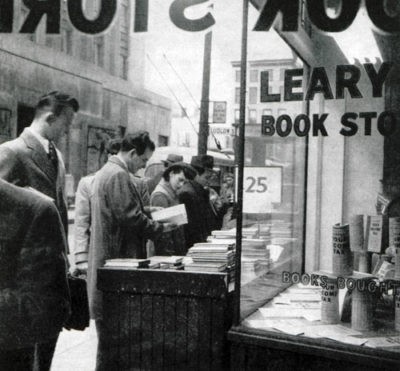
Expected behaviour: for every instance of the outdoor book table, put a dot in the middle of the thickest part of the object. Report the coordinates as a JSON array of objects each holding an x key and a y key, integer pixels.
[{"x": 165, "y": 319}]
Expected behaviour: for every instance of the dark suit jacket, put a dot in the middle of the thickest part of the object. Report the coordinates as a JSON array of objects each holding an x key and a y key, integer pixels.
[
  {"x": 24, "y": 162},
  {"x": 119, "y": 225},
  {"x": 34, "y": 296},
  {"x": 201, "y": 218}
]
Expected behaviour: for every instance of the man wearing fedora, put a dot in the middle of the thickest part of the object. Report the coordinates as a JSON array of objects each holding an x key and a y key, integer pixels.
[{"x": 196, "y": 197}]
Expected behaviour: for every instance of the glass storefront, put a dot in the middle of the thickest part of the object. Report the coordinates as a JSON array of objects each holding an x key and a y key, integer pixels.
[{"x": 320, "y": 252}]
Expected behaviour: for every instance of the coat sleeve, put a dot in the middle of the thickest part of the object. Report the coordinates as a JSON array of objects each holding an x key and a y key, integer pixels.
[
  {"x": 10, "y": 166},
  {"x": 159, "y": 199},
  {"x": 144, "y": 193},
  {"x": 124, "y": 203},
  {"x": 37, "y": 304},
  {"x": 82, "y": 220}
]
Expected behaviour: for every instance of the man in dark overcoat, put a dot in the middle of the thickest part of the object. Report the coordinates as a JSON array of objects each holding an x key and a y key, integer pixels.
[
  {"x": 34, "y": 296},
  {"x": 196, "y": 197},
  {"x": 32, "y": 160},
  {"x": 120, "y": 226}
]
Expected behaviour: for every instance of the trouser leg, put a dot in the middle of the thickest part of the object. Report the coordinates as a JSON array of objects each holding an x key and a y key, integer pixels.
[
  {"x": 44, "y": 354},
  {"x": 17, "y": 359}
]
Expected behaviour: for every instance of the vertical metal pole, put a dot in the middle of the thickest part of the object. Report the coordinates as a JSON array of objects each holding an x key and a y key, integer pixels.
[
  {"x": 205, "y": 96},
  {"x": 240, "y": 162}
]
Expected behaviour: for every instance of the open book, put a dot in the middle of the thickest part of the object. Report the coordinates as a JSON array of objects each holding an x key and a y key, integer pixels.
[{"x": 174, "y": 214}]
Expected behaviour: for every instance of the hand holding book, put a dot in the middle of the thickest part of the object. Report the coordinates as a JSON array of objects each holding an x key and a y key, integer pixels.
[{"x": 168, "y": 227}]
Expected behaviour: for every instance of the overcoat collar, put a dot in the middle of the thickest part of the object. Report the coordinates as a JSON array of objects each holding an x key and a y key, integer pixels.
[
  {"x": 116, "y": 160},
  {"x": 39, "y": 155}
]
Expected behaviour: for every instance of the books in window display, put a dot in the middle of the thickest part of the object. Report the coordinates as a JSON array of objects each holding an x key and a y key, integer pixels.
[
  {"x": 281, "y": 229},
  {"x": 251, "y": 247},
  {"x": 231, "y": 233}
]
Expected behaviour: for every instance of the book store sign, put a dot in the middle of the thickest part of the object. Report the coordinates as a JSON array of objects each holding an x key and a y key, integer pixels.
[{"x": 262, "y": 186}]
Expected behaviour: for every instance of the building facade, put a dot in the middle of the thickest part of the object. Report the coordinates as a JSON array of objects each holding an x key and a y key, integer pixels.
[
  {"x": 271, "y": 71},
  {"x": 104, "y": 72}
]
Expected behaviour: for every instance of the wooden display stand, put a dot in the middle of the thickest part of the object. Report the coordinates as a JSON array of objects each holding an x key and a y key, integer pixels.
[{"x": 164, "y": 320}]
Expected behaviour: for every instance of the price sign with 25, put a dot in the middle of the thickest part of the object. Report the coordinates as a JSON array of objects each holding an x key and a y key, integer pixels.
[{"x": 262, "y": 186}]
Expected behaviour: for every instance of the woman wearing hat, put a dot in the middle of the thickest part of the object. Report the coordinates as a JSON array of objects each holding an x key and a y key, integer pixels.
[{"x": 166, "y": 195}]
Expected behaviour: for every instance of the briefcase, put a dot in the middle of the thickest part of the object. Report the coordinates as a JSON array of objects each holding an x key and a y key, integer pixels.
[{"x": 79, "y": 318}]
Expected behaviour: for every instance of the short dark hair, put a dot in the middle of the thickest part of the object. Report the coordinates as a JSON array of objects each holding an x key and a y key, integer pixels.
[
  {"x": 177, "y": 168},
  {"x": 113, "y": 146},
  {"x": 55, "y": 102},
  {"x": 139, "y": 141}
]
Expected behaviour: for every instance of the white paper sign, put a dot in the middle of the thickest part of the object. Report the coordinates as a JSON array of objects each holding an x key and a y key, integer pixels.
[{"x": 262, "y": 186}]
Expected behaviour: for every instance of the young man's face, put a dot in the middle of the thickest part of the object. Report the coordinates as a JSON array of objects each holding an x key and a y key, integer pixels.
[
  {"x": 205, "y": 178},
  {"x": 59, "y": 127},
  {"x": 137, "y": 162}
]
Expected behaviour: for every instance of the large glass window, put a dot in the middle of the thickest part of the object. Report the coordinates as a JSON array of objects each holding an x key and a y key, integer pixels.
[{"x": 321, "y": 221}]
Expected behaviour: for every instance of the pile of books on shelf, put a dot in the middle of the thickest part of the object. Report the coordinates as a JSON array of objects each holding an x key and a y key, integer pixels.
[
  {"x": 255, "y": 255},
  {"x": 167, "y": 262},
  {"x": 128, "y": 263},
  {"x": 154, "y": 262},
  {"x": 217, "y": 256},
  {"x": 281, "y": 229},
  {"x": 248, "y": 232}
]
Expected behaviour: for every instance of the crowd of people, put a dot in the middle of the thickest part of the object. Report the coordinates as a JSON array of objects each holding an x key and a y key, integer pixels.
[{"x": 112, "y": 220}]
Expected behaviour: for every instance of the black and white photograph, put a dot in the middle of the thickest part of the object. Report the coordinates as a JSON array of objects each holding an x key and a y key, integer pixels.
[{"x": 199, "y": 185}]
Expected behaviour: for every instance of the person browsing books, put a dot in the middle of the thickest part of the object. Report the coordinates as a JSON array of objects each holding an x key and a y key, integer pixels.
[
  {"x": 120, "y": 226},
  {"x": 82, "y": 224},
  {"x": 166, "y": 195},
  {"x": 196, "y": 197}
]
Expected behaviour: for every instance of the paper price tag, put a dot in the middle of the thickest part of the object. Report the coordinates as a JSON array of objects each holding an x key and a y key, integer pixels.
[{"x": 262, "y": 186}]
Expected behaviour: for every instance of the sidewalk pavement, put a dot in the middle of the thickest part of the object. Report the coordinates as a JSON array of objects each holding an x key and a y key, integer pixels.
[{"x": 76, "y": 350}]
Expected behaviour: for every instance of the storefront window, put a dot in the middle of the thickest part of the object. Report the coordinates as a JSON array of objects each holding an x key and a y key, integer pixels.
[
  {"x": 274, "y": 197},
  {"x": 320, "y": 252}
]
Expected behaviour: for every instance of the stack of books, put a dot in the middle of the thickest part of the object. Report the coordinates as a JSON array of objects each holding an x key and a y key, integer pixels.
[
  {"x": 127, "y": 263},
  {"x": 248, "y": 232},
  {"x": 281, "y": 229},
  {"x": 211, "y": 257},
  {"x": 255, "y": 254},
  {"x": 166, "y": 262}
]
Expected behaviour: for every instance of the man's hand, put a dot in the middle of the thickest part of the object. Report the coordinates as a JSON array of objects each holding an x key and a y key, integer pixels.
[
  {"x": 151, "y": 209},
  {"x": 80, "y": 269},
  {"x": 168, "y": 227},
  {"x": 155, "y": 208}
]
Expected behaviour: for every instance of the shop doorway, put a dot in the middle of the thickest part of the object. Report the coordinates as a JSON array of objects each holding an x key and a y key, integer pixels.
[{"x": 25, "y": 117}]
